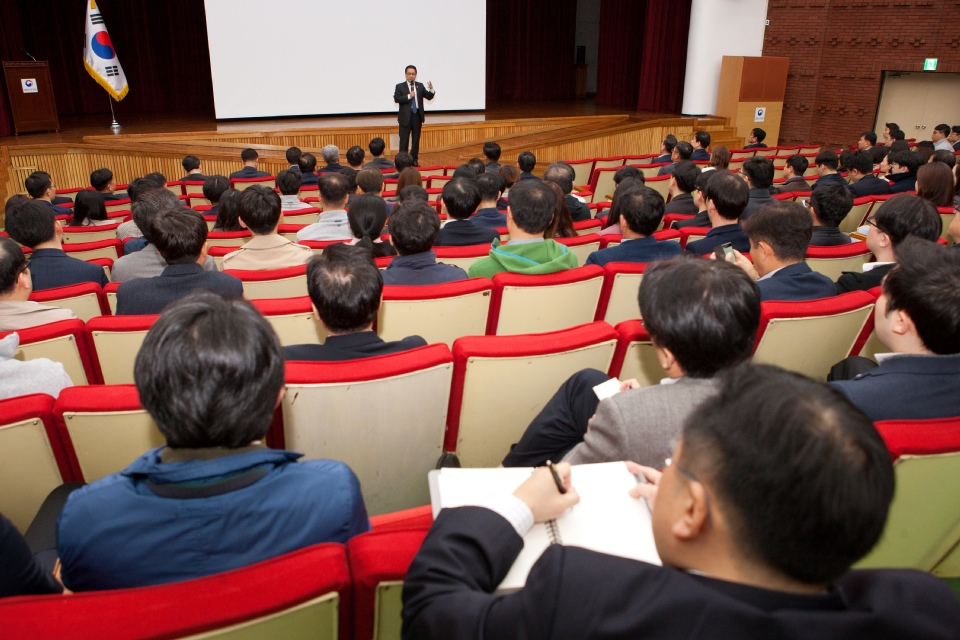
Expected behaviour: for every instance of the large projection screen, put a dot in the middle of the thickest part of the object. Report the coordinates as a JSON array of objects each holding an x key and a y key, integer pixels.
[{"x": 320, "y": 57}]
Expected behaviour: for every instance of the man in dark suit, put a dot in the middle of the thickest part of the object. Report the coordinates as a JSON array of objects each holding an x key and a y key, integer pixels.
[
  {"x": 903, "y": 171},
  {"x": 793, "y": 170},
  {"x": 293, "y": 158},
  {"x": 666, "y": 149},
  {"x": 461, "y": 199},
  {"x": 308, "y": 169},
  {"x": 755, "y": 139},
  {"x": 641, "y": 211},
  {"x": 40, "y": 186},
  {"x": 376, "y": 147},
  {"x": 726, "y": 197},
  {"x": 102, "y": 181},
  {"x": 413, "y": 229},
  {"x": 346, "y": 288},
  {"x": 491, "y": 187},
  {"x": 700, "y": 142},
  {"x": 181, "y": 239},
  {"x": 702, "y": 218},
  {"x": 779, "y": 236},
  {"x": 920, "y": 383},
  {"x": 828, "y": 206},
  {"x": 250, "y": 159},
  {"x": 683, "y": 151},
  {"x": 898, "y": 218},
  {"x": 491, "y": 152},
  {"x": 526, "y": 161},
  {"x": 562, "y": 175},
  {"x": 410, "y": 96},
  {"x": 736, "y": 563},
  {"x": 683, "y": 181},
  {"x": 828, "y": 167},
  {"x": 191, "y": 165},
  {"x": 758, "y": 172},
  {"x": 331, "y": 155},
  {"x": 865, "y": 183},
  {"x": 35, "y": 226},
  {"x": 954, "y": 137}
]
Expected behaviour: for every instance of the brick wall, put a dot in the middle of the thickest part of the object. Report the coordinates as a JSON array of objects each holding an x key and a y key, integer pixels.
[{"x": 838, "y": 51}]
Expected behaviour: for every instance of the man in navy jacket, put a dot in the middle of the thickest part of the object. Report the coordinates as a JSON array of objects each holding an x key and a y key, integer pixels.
[
  {"x": 251, "y": 159},
  {"x": 413, "y": 228},
  {"x": 40, "y": 186},
  {"x": 903, "y": 171},
  {"x": 641, "y": 211},
  {"x": 726, "y": 197},
  {"x": 461, "y": 198}
]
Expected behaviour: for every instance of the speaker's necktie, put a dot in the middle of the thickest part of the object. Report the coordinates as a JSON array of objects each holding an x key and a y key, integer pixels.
[{"x": 413, "y": 88}]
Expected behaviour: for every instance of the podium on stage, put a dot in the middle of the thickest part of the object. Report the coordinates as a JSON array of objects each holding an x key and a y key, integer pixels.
[
  {"x": 751, "y": 94},
  {"x": 31, "y": 96}
]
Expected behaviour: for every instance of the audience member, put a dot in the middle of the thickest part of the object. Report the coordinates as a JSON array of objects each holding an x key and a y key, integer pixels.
[
  {"x": 917, "y": 317},
  {"x": 409, "y": 176},
  {"x": 401, "y": 161},
  {"x": 621, "y": 175},
  {"x": 793, "y": 170},
  {"x": 23, "y": 377},
  {"x": 844, "y": 161},
  {"x": 412, "y": 193},
  {"x": 40, "y": 186},
  {"x": 465, "y": 171},
  {"x": 828, "y": 206},
  {"x": 491, "y": 151},
  {"x": 158, "y": 179},
  {"x": 719, "y": 159},
  {"x": 90, "y": 210},
  {"x": 21, "y": 574},
  {"x": 461, "y": 199},
  {"x": 213, "y": 189},
  {"x": 702, "y": 316},
  {"x": 355, "y": 156},
  {"x": 528, "y": 252},
  {"x": 228, "y": 212},
  {"x": 666, "y": 149},
  {"x": 828, "y": 167},
  {"x": 683, "y": 181},
  {"x": 366, "y": 218},
  {"x": 888, "y": 130},
  {"x": 191, "y": 166},
  {"x": 413, "y": 229},
  {"x": 260, "y": 213},
  {"x": 755, "y": 139},
  {"x": 293, "y": 156},
  {"x": 702, "y": 218},
  {"x": 935, "y": 184},
  {"x": 897, "y": 135},
  {"x": 129, "y": 229},
  {"x": 863, "y": 181},
  {"x": 376, "y": 147},
  {"x": 308, "y": 169},
  {"x": 15, "y": 201},
  {"x": 641, "y": 211},
  {"x": 17, "y": 311},
  {"x": 35, "y": 226},
  {"x": 868, "y": 143},
  {"x": 925, "y": 150},
  {"x": 954, "y": 138},
  {"x": 683, "y": 151},
  {"x": 562, "y": 175},
  {"x": 527, "y": 161},
  {"x": 479, "y": 166},
  {"x": 898, "y": 218},
  {"x": 939, "y": 137},
  {"x": 181, "y": 239},
  {"x": 758, "y": 173},
  {"x": 175, "y": 513},
  {"x": 726, "y": 197},
  {"x": 332, "y": 223},
  {"x": 561, "y": 224},
  {"x": 948, "y": 158},
  {"x": 102, "y": 181},
  {"x": 250, "y": 159},
  {"x": 491, "y": 187},
  {"x": 611, "y": 225},
  {"x": 511, "y": 176},
  {"x": 345, "y": 289},
  {"x": 289, "y": 181},
  {"x": 903, "y": 171},
  {"x": 330, "y": 155},
  {"x": 700, "y": 142}
]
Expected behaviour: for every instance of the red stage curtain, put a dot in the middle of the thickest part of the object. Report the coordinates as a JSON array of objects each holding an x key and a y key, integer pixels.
[
  {"x": 621, "y": 51},
  {"x": 10, "y": 43},
  {"x": 664, "y": 62},
  {"x": 530, "y": 49}
]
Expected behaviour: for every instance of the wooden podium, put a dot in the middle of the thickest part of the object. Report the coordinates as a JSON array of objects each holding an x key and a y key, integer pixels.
[
  {"x": 31, "y": 96},
  {"x": 751, "y": 94}
]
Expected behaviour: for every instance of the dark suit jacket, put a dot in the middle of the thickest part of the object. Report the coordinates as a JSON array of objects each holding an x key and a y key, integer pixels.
[
  {"x": 796, "y": 282},
  {"x": 490, "y": 218},
  {"x": 637, "y": 250},
  {"x": 350, "y": 347},
  {"x": 459, "y": 233},
  {"x": 732, "y": 233},
  {"x": 700, "y": 154},
  {"x": 699, "y": 220},
  {"x": 142, "y": 296},
  {"x": 59, "y": 211},
  {"x": 901, "y": 182},
  {"x": 758, "y": 198},
  {"x": 956, "y": 146},
  {"x": 667, "y": 170},
  {"x": 682, "y": 203},
  {"x": 830, "y": 177},
  {"x": 756, "y": 145},
  {"x": 526, "y": 175},
  {"x": 331, "y": 168},
  {"x": 573, "y": 593},
  {"x": 380, "y": 163},
  {"x": 492, "y": 167},
  {"x": 194, "y": 177},
  {"x": 828, "y": 237},
  {"x": 794, "y": 185},
  {"x": 309, "y": 178},
  {"x": 249, "y": 172},
  {"x": 401, "y": 95},
  {"x": 667, "y": 157},
  {"x": 579, "y": 211},
  {"x": 869, "y": 185},
  {"x": 419, "y": 269},
  {"x": 113, "y": 197},
  {"x": 857, "y": 281},
  {"x": 51, "y": 268}
]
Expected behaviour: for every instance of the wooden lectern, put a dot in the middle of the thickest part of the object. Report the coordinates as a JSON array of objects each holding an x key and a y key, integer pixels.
[
  {"x": 31, "y": 96},
  {"x": 751, "y": 94}
]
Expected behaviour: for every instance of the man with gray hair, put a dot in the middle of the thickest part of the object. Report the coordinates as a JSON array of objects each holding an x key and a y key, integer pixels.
[
  {"x": 331, "y": 155},
  {"x": 148, "y": 263},
  {"x": 562, "y": 175}
]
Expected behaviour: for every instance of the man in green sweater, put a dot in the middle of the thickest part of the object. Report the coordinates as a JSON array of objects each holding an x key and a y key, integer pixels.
[{"x": 529, "y": 212}]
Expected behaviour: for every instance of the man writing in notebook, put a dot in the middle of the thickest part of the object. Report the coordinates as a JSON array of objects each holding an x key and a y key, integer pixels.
[{"x": 757, "y": 527}]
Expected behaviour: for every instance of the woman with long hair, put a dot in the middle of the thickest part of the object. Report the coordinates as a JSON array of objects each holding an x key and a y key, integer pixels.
[
  {"x": 935, "y": 184},
  {"x": 228, "y": 212},
  {"x": 561, "y": 226},
  {"x": 719, "y": 159},
  {"x": 367, "y": 216},
  {"x": 89, "y": 210},
  {"x": 409, "y": 176}
]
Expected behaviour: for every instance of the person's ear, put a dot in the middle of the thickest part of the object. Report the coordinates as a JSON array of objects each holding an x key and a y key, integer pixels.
[
  {"x": 242, "y": 223},
  {"x": 902, "y": 323},
  {"x": 766, "y": 251},
  {"x": 24, "y": 281},
  {"x": 57, "y": 229},
  {"x": 203, "y": 254},
  {"x": 693, "y": 519},
  {"x": 668, "y": 362},
  {"x": 509, "y": 214},
  {"x": 280, "y": 394}
]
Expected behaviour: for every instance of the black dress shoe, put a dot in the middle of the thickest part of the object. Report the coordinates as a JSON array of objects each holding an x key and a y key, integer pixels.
[{"x": 416, "y": 163}]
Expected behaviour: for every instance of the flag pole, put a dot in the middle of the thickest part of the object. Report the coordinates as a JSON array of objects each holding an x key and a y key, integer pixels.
[{"x": 113, "y": 124}]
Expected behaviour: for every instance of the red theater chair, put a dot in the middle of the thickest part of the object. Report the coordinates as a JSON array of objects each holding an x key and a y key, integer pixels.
[
  {"x": 535, "y": 304},
  {"x": 692, "y": 234},
  {"x": 833, "y": 261},
  {"x": 86, "y": 299},
  {"x": 463, "y": 256},
  {"x": 272, "y": 283},
  {"x": 62, "y": 342},
  {"x": 112, "y": 249},
  {"x": 636, "y": 357},
  {"x": 77, "y": 235},
  {"x": 619, "y": 295},
  {"x": 585, "y": 243},
  {"x": 242, "y": 183},
  {"x": 292, "y": 319},
  {"x": 232, "y": 239},
  {"x": 115, "y": 341},
  {"x": 437, "y": 313}
]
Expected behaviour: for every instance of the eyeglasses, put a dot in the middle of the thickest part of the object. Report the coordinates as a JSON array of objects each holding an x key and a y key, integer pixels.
[
  {"x": 806, "y": 203},
  {"x": 870, "y": 221},
  {"x": 670, "y": 459}
]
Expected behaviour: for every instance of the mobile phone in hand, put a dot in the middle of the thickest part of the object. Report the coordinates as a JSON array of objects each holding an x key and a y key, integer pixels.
[{"x": 725, "y": 252}]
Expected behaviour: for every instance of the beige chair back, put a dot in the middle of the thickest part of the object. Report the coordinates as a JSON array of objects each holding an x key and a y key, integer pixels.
[
  {"x": 292, "y": 217},
  {"x": 297, "y": 328},
  {"x": 605, "y": 186},
  {"x": 85, "y": 306},
  {"x": 62, "y": 349},
  {"x": 583, "y": 251},
  {"x": 607, "y": 164},
  {"x": 548, "y": 308},
  {"x": 227, "y": 242},
  {"x": 660, "y": 186},
  {"x": 266, "y": 182},
  {"x": 194, "y": 188},
  {"x": 117, "y": 351},
  {"x": 853, "y": 219},
  {"x": 283, "y": 288},
  {"x": 833, "y": 268},
  {"x": 76, "y": 237},
  {"x": 623, "y": 304},
  {"x": 28, "y": 470},
  {"x": 435, "y": 320},
  {"x": 109, "y": 441},
  {"x": 641, "y": 364},
  {"x": 315, "y": 619},
  {"x": 102, "y": 252}
]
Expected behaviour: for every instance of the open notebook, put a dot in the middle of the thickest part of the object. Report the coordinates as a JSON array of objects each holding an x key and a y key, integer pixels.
[{"x": 607, "y": 519}]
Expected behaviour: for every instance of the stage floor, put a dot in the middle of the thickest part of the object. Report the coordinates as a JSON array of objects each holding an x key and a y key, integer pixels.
[{"x": 74, "y": 128}]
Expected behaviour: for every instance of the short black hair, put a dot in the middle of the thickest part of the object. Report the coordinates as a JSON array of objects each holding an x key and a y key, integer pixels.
[
  {"x": 376, "y": 146},
  {"x": 831, "y": 203},
  {"x": 948, "y": 158},
  {"x": 351, "y": 175},
  {"x": 138, "y": 186},
  {"x": 686, "y": 174},
  {"x": 628, "y": 171},
  {"x": 465, "y": 171},
  {"x": 189, "y": 163},
  {"x": 31, "y": 223},
  {"x": 705, "y": 312},
  {"x": 100, "y": 178},
  {"x": 15, "y": 200},
  {"x": 784, "y": 225},
  {"x": 702, "y": 181},
  {"x": 491, "y": 151},
  {"x": 897, "y": 134},
  {"x": 670, "y": 142},
  {"x": 728, "y": 193},
  {"x": 293, "y": 155},
  {"x": 179, "y": 235},
  {"x": 370, "y": 180},
  {"x": 759, "y": 134},
  {"x": 88, "y": 205},
  {"x": 909, "y": 159},
  {"x": 925, "y": 284},
  {"x": 462, "y": 197},
  {"x": 367, "y": 216},
  {"x": 760, "y": 171},
  {"x": 491, "y": 185},
  {"x": 892, "y": 126},
  {"x": 414, "y": 228},
  {"x": 401, "y": 161},
  {"x": 557, "y": 174},
  {"x": 213, "y": 188},
  {"x": 526, "y": 161},
  {"x": 37, "y": 183},
  {"x": 896, "y": 146},
  {"x": 684, "y": 150},
  {"x": 355, "y": 155},
  {"x": 703, "y": 138},
  {"x": 413, "y": 193},
  {"x": 861, "y": 161},
  {"x": 209, "y": 372},
  {"x": 145, "y": 209},
  {"x": 259, "y": 209},
  {"x": 289, "y": 181},
  {"x": 477, "y": 165},
  {"x": 307, "y": 163},
  {"x": 804, "y": 477},
  {"x": 908, "y": 215},
  {"x": 345, "y": 286},
  {"x": 12, "y": 264},
  {"x": 798, "y": 163},
  {"x": 943, "y": 128},
  {"x": 531, "y": 205},
  {"x": 642, "y": 209},
  {"x": 333, "y": 187},
  {"x": 249, "y": 154},
  {"x": 870, "y": 137},
  {"x": 158, "y": 179},
  {"x": 956, "y": 129},
  {"x": 409, "y": 66}
]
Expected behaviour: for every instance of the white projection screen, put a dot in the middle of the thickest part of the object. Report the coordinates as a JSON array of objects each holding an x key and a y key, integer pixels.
[{"x": 321, "y": 57}]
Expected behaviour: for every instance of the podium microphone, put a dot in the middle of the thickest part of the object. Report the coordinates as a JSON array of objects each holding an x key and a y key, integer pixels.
[{"x": 28, "y": 54}]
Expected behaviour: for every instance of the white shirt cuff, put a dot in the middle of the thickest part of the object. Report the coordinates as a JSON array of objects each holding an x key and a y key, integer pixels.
[{"x": 513, "y": 510}]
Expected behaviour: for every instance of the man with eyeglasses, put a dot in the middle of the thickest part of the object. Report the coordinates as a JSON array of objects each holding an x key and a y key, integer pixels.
[{"x": 777, "y": 486}]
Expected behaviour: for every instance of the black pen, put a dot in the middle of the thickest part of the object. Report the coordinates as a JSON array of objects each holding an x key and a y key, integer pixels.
[{"x": 556, "y": 477}]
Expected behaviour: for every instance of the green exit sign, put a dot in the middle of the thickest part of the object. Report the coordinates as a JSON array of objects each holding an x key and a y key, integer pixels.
[{"x": 930, "y": 64}]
